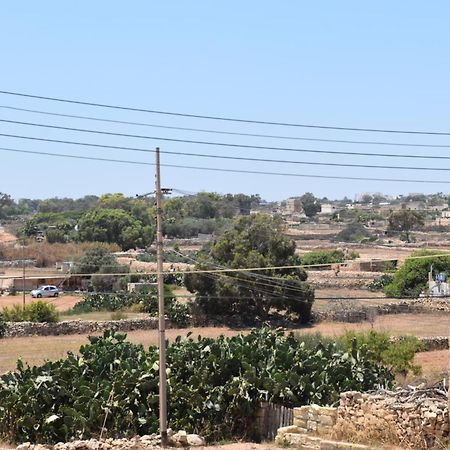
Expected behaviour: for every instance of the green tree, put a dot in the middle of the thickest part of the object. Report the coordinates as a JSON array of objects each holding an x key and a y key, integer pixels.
[
  {"x": 252, "y": 241},
  {"x": 411, "y": 279},
  {"x": 5, "y": 201},
  {"x": 405, "y": 221},
  {"x": 310, "y": 204},
  {"x": 114, "y": 226},
  {"x": 100, "y": 260}
]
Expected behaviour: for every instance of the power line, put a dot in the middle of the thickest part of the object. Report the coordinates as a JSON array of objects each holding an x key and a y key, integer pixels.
[
  {"x": 226, "y": 119},
  {"x": 279, "y": 161},
  {"x": 230, "y": 133},
  {"x": 285, "y": 149},
  {"x": 233, "y": 270},
  {"x": 217, "y": 169}
]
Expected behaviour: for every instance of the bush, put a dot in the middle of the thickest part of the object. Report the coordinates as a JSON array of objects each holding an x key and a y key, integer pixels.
[
  {"x": 3, "y": 326},
  {"x": 323, "y": 257},
  {"x": 354, "y": 232},
  {"x": 379, "y": 283},
  {"x": 397, "y": 355},
  {"x": 412, "y": 278},
  {"x": 142, "y": 301},
  {"x": 215, "y": 386},
  {"x": 38, "y": 311}
]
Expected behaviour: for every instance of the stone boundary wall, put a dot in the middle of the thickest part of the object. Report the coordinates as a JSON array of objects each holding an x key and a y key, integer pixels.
[
  {"x": 313, "y": 429},
  {"x": 359, "y": 313},
  {"x": 413, "y": 418},
  {"x": 66, "y": 327}
]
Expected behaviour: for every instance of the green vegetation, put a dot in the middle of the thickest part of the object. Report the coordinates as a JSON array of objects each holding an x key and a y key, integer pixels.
[
  {"x": 143, "y": 301},
  {"x": 379, "y": 283},
  {"x": 397, "y": 355},
  {"x": 411, "y": 279},
  {"x": 100, "y": 260},
  {"x": 215, "y": 386},
  {"x": 38, "y": 311},
  {"x": 326, "y": 257},
  {"x": 252, "y": 241},
  {"x": 310, "y": 204},
  {"x": 3, "y": 326},
  {"x": 354, "y": 232},
  {"x": 405, "y": 221}
]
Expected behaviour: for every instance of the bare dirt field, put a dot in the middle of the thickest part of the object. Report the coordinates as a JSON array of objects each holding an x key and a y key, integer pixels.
[
  {"x": 62, "y": 303},
  {"x": 34, "y": 350}
]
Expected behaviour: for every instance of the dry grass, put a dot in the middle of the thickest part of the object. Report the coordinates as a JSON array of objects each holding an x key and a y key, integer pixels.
[
  {"x": 36, "y": 349},
  {"x": 62, "y": 303},
  {"x": 46, "y": 255}
]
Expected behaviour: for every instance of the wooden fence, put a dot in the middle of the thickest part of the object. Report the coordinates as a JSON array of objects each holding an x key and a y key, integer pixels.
[{"x": 270, "y": 417}]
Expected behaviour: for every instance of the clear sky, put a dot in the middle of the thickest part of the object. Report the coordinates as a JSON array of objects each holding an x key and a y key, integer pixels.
[{"x": 380, "y": 64}]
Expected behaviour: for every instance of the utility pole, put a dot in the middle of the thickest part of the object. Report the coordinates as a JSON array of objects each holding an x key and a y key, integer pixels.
[
  {"x": 161, "y": 315},
  {"x": 23, "y": 273}
]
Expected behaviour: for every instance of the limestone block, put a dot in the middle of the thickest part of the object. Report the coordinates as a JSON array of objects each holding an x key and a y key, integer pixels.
[
  {"x": 301, "y": 423},
  {"x": 289, "y": 429},
  {"x": 328, "y": 411},
  {"x": 327, "y": 420},
  {"x": 194, "y": 440}
]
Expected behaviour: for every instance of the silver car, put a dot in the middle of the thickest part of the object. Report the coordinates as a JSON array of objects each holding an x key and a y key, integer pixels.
[{"x": 45, "y": 291}]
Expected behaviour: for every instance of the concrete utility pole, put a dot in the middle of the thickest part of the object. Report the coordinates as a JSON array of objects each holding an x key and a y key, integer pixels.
[
  {"x": 23, "y": 273},
  {"x": 161, "y": 321}
]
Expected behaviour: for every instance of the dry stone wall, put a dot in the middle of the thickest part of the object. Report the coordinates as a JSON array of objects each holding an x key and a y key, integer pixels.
[
  {"x": 411, "y": 418},
  {"x": 21, "y": 329}
]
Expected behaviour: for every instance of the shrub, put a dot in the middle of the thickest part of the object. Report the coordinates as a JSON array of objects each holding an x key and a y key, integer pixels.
[
  {"x": 353, "y": 232},
  {"x": 142, "y": 301},
  {"x": 379, "y": 283},
  {"x": 411, "y": 279},
  {"x": 323, "y": 257},
  {"x": 38, "y": 311},
  {"x": 215, "y": 385},
  {"x": 118, "y": 315},
  {"x": 3, "y": 326},
  {"x": 396, "y": 354}
]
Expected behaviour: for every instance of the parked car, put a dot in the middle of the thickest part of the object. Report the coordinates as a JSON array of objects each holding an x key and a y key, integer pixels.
[{"x": 45, "y": 291}]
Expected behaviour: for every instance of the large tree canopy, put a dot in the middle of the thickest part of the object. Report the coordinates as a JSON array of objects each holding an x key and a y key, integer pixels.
[
  {"x": 252, "y": 241},
  {"x": 114, "y": 225},
  {"x": 405, "y": 221},
  {"x": 311, "y": 205}
]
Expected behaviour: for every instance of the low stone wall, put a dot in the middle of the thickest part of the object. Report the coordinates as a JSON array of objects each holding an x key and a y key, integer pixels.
[
  {"x": 313, "y": 429},
  {"x": 413, "y": 418},
  {"x": 21, "y": 329},
  {"x": 347, "y": 312}
]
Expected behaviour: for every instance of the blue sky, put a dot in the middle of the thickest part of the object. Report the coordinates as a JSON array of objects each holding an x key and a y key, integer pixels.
[{"x": 377, "y": 64}]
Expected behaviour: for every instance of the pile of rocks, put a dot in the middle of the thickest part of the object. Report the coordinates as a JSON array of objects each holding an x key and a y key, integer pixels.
[
  {"x": 179, "y": 439},
  {"x": 413, "y": 417}
]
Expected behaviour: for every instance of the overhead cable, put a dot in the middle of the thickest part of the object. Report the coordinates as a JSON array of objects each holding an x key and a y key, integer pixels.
[
  {"x": 217, "y": 169},
  {"x": 226, "y": 119},
  {"x": 230, "y": 133}
]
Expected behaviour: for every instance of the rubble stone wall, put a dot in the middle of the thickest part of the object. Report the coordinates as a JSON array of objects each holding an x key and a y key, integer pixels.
[
  {"x": 413, "y": 417},
  {"x": 22, "y": 329}
]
